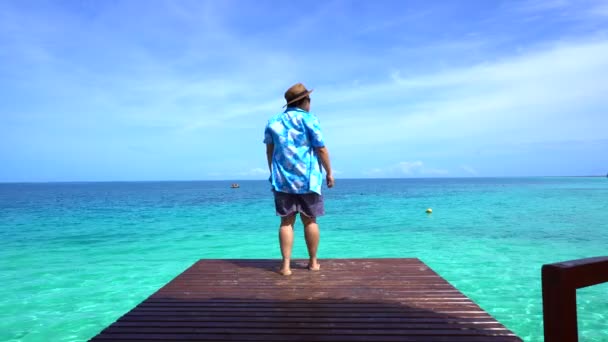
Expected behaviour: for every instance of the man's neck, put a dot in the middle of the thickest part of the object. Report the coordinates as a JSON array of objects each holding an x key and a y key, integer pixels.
[{"x": 297, "y": 108}]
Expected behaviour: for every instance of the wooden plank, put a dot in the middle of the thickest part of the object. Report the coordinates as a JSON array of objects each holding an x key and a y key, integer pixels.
[
  {"x": 305, "y": 325},
  {"x": 303, "y": 338},
  {"x": 348, "y": 300}
]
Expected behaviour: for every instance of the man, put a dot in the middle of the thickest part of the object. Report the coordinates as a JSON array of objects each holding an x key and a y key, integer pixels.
[{"x": 296, "y": 151}]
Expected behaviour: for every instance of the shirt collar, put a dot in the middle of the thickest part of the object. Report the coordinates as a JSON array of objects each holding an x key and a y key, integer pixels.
[{"x": 288, "y": 109}]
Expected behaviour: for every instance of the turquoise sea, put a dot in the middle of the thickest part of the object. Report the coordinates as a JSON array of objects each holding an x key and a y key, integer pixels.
[{"x": 76, "y": 256}]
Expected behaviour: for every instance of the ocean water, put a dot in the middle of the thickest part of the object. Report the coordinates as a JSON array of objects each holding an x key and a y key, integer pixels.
[{"x": 76, "y": 256}]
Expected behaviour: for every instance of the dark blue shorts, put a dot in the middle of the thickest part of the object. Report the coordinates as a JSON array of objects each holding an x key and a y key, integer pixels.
[{"x": 310, "y": 204}]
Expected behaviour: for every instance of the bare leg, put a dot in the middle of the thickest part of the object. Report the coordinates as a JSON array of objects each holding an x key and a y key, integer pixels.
[
  {"x": 286, "y": 242},
  {"x": 311, "y": 233}
]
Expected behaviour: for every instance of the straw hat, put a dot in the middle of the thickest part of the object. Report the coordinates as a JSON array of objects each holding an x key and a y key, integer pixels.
[{"x": 295, "y": 93}]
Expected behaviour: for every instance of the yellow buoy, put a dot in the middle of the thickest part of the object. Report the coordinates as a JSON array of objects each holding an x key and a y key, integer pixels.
[{"x": 429, "y": 211}]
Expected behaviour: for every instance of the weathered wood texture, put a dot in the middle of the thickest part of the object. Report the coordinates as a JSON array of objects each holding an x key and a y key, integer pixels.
[{"x": 348, "y": 300}]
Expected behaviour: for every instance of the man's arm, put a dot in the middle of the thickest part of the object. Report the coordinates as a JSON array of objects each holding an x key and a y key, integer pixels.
[
  {"x": 323, "y": 154},
  {"x": 269, "y": 152}
]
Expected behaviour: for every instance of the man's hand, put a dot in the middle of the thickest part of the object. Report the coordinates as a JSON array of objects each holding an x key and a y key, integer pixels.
[
  {"x": 330, "y": 180},
  {"x": 324, "y": 156},
  {"x": 269, "y": 152}
]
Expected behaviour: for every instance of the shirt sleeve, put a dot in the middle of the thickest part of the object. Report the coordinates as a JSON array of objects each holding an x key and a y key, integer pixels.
[
  {"x": 267, "y": 136},
  {"x": 314, "y": 132}
]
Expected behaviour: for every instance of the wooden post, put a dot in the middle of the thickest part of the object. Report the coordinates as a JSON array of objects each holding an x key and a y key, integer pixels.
[
  {"x": 560, "y": 282},
  {"x": 559, "y": 306}
]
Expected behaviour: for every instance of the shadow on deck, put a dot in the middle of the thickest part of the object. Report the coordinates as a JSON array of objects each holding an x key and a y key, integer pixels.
[{"x": 348, "y": 300}]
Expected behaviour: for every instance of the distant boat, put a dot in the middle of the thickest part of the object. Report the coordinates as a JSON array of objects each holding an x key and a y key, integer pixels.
[{"x": 234, "y": 185}]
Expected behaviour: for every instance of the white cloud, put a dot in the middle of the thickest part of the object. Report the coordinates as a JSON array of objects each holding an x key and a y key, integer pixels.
[
  {"x": 579, "y": 10},
  {"x": 435, "y": 172},
  {"x": 406, "y": 168},
  {"x": 535, "y": 96},
  {"x": 375, "y": 172},
  {"x": 599, "y": 10},
  {"x": 468, "y": 169},
  {"x": 256, "y": 171},
  {"x": 538, "y": 6}
]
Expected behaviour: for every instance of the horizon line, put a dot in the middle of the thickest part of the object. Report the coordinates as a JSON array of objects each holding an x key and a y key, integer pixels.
[{"x": 257, "y": 180}]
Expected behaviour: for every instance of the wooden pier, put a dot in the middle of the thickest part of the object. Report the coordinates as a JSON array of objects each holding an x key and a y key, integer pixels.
[{"x": 348, "y": 300}]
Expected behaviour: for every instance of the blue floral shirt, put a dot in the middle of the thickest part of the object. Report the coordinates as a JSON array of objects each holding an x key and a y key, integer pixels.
[{"x": 296, "y": 168}]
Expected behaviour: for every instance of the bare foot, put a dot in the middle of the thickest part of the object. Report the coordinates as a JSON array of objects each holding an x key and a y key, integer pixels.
[
  {"x": 314, "y": 267},
  {"x": 285, "y": 271}
]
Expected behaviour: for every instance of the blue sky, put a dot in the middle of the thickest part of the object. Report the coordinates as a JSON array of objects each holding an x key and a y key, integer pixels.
[{"x": 181, "y": 90}]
